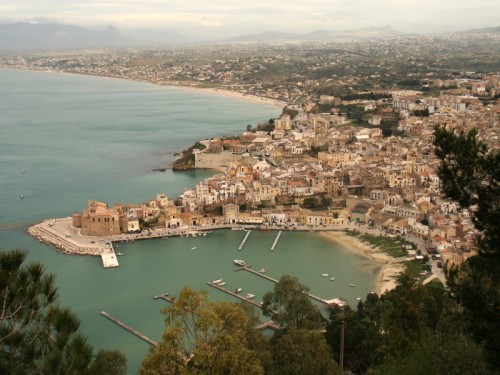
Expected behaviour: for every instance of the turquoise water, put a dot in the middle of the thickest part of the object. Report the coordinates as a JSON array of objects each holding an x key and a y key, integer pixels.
[{"x": 65, "y": 139}]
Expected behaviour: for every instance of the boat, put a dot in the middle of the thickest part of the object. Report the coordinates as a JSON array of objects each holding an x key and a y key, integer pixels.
[
  {"x": 332, "y": 279},
  {"x": 358, "y": 299},
  {"x": 324, "y": 275},
  {"x": 193, "y": 248},
  {"x": 250, "y": 296},
  {"x": 263, "y": 270},
  {"x": 222, "y": 283},
  {"x": 21, "y": 196},
  {"x": 239, "y": 262},
  {"x": 217, "y": 282},
  {"x": 120, "y": 254},
  {"x": 351, "y": 285},
  {"x": 238, "y": 290}
]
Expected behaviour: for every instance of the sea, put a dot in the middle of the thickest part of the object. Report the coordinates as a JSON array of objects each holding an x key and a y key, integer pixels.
[{"x": 66, "y": 138}]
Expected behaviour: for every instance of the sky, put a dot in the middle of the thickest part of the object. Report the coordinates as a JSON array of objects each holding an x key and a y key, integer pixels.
[{"x": 216, "y": 18}]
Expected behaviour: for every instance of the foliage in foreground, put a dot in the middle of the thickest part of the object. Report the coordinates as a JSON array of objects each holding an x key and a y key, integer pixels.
[
  {"x": 36, "y": 335},
  {"x": 470, "y": 175}
]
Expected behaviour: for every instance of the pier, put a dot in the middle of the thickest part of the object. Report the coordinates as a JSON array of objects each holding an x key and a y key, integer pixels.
[
  {"x": 234, "y": 294},
  {"x": 108, "y": 255},
  {"x": 268, "y": 324},
  {"x": 164, "y": 296},
  {"x": 131, "y": 330},
  {"x": 247, "y": 268},
  {"x": 244, "y": 240},
  {"x": 276, "y": 240}
]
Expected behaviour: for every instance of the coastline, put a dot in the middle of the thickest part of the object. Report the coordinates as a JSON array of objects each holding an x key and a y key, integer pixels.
[
  {"x": 389, "y": 271},
  {"x": 237, "y": 95},
  {"x": 180, "y": 85}
]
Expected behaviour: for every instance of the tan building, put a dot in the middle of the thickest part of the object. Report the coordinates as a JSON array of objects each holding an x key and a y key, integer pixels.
[{"x": 98, "y": 220}]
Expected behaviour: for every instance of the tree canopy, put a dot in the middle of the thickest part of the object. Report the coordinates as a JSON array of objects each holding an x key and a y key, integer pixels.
[
  {"x": 470, "y": 175},
  {"x": 203, "y": 337},
  {"x": 289, "y": 305},
  {"x": 36, "y": 335}
]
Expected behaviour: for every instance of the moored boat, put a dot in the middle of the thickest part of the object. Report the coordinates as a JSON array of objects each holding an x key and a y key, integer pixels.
[
  {"x": 239, "y": 262},
  {"x": 239, "y": 290},
  {"x": 250, "y": 296},
  {"x": 217, "y": 282}
]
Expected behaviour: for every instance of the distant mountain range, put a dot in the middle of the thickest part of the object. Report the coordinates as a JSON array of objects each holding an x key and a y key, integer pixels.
[
  {"x": 29, "y": 36},
  {"x": 52, "y": 36},
  {"x": 489, "y": 30},
  {"x": 321, "y": 35}
]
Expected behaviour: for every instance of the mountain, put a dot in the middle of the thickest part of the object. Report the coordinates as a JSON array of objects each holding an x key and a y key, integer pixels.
[
  {"x": 266, "y": 36},
  {"x": 361, "y": 33},
  {"x": 158, "y": 36},
  {"x": 320, "y": 35},
  {"x": 490, "y": 30},
  {"x": 24, "y": 36}
]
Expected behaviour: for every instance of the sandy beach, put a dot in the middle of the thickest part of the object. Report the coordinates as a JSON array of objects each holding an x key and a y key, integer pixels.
[
  {"x": 232, "y": 94},
  {"x": 387, "y": 278}
]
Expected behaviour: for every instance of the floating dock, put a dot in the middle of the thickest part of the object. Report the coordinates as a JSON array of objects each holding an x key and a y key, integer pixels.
[
  {"x": 164, "y": 296},
  {"x": 131, "y": 330},
  {"x": 244, "y": 240},
  {"x": 247, "y": 268},
  {"x": 276, "y": 240},
  {"x": 268, "y": 324},
  {"x": 234, "y": 294}
]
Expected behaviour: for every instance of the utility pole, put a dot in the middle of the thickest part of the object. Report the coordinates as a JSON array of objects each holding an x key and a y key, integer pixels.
[{"x": 342, "y": 326}]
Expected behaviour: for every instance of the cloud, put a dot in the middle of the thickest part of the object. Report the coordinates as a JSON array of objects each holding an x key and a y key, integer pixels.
[{"x": 238, "y": 16}]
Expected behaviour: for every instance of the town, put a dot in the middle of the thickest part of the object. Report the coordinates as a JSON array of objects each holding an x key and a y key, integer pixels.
[
  {"x": 314, "y": 170},
  {"x": 353, "y": 145}
]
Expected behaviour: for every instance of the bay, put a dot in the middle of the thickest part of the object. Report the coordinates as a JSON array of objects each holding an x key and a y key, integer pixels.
[{"x": 65, "y": 139}]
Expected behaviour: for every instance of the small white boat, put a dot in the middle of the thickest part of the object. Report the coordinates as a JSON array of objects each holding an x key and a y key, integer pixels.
[
  {"x": 263, "y": 270},
  {"x": 120, "y": 254},
  {"x": 351, "y": 285},
  {"x": 193, "y": 248},
  {"x": 217, "y": 282},
  {"x": 239, "y": 262},
  {"x": 325, "y": 275},
  {"x": 332, "y": 279},
  {"x": 250, "y": 296},
  {"x": 239, "y": 290},
  {"x": 358, "y": 299},
  {"x": 222, "y": 283},
  {"x": 21, "y": 196}
]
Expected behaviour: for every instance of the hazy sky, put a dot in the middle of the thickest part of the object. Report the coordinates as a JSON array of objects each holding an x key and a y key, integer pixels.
[{"x": 236, "y": 17}]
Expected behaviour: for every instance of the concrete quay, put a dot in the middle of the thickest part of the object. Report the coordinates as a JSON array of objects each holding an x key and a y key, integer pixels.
[{"x": 68, "y": 240}]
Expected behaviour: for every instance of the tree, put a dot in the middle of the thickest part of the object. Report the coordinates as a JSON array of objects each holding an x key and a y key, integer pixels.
[
  {"x": 203, "y": 337},
  {"x": 289, "y": 305},
  {"x": 470, "y": 174},
  {"x": 361, "y": 340},
  {"x": 36, "y": 335},
  {"x": 302, "y": 352},
  {"x": 439, "y": 353},
  {"x": 109, "y": 362}
]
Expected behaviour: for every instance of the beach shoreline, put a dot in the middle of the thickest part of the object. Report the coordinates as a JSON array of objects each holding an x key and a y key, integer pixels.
[{"x": 389, "y": 271}]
